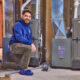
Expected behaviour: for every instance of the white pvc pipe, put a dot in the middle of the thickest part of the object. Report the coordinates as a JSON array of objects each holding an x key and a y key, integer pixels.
[
  {"x": 23, "y": 6},
  {"x": 37, "y": 9},
  {"x": 76, "y": 5}
]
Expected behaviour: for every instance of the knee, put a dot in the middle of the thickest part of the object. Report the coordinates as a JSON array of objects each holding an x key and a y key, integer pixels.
[{"x": 29, "y": 48}]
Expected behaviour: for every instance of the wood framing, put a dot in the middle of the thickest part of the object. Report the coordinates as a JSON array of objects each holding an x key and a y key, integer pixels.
[
  {"x": 3, "y": 18},
  {"x": 68, "y": 12},
  {"x": 1, "y": 22},
  {"x": 49, "y": 31},
  {"x": 43, "y": 27}
]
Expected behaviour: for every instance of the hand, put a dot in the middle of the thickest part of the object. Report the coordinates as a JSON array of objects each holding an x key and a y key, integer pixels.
[{"x": 33, "y": 48}]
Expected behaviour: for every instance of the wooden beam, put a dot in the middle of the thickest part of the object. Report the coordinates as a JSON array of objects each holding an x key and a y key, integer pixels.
[
  {"x": 1, "y": 23},
  {"x": 43, "y": 27},
  {"x": 49, "y": 32},
  {"x": 3, "y": 2},
  {"x": 1, "y": 28}
]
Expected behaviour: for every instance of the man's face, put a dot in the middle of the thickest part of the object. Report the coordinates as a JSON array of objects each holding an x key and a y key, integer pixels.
[{"x": 26, "y": 17}]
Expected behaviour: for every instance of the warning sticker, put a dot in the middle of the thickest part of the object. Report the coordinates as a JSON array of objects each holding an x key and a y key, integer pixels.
[{"x": 61, "y": 51}]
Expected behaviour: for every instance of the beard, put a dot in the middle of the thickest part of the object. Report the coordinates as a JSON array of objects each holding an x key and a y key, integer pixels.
[{"x": 27, "y": 21}]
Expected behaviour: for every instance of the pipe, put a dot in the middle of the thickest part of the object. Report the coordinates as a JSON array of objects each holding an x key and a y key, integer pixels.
[
  {"x": 25, "y": 4},
  {"x": 76, "y": 5},
  {"x": 37, "y": 9},
  {"x": 38, "y": 17}
]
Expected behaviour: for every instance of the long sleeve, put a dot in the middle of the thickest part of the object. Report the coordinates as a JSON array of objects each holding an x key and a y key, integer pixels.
[{"x": 17, "y": 31}]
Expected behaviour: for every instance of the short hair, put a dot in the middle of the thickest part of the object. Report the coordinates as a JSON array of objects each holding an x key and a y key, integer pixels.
[{"x": 26, "y": 10}]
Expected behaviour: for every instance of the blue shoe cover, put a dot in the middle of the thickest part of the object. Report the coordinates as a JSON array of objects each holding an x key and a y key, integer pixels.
[{"x": 26, "y": 72}]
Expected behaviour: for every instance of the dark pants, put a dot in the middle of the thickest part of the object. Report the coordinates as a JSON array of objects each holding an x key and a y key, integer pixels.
[{"x": 19, "y": 56}]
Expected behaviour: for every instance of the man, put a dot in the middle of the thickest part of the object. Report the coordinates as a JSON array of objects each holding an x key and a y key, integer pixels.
[{"x": 21, "y": 45}]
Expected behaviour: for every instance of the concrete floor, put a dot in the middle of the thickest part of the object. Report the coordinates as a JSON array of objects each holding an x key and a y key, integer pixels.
[{"x": 52, "y": 74}]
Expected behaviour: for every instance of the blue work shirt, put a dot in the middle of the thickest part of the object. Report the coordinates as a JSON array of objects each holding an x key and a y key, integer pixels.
[{"x": 22, "y": 33}]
